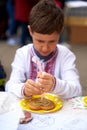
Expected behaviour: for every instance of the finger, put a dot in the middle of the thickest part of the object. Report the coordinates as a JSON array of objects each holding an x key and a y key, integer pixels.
[
  {"x": 45, "y": 81},
  {"x": 29, "y": 92},
  {"x": 32, "y": 85},
  {"x": 47, "y": 85},
  {"x": 45, "y": 75},
  {"x": 34, "y": 92},
  {"x": 32, "y": 88}
]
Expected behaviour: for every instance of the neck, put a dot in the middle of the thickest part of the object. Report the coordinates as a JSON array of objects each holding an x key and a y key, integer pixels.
[{"x": 44, "y": 58}]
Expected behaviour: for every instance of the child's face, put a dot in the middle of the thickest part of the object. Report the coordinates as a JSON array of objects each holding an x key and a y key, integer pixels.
[{"x": 44, "y": 43}]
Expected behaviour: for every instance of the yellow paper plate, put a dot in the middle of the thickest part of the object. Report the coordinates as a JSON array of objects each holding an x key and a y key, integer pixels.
[
  {"x": 85, "y": 100},
  {"x": 58, "y": 103}
]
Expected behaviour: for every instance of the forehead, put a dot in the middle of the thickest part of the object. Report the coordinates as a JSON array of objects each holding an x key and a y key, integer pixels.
[{"x": 45, "y": 36}]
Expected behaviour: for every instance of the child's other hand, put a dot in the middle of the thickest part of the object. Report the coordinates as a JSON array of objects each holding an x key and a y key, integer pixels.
[
  {"x": 32, "y": 88},
  {"x": 46, "y": 81}
]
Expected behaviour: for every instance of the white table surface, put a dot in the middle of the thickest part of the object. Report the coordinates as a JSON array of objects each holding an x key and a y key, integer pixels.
[{"x": 73, "y": 115}]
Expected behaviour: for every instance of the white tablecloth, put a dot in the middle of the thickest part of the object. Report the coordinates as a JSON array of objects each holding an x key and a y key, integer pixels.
[{"x": 73, "y": 115}]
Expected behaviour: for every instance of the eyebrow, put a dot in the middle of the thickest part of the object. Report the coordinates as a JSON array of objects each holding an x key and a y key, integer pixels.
[
  {"x": 40, "y": 40},
  {"x": 44, "y": 41}
]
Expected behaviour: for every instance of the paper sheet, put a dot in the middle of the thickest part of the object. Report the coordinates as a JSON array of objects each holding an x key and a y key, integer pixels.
[{"x": 77, "y": 103}]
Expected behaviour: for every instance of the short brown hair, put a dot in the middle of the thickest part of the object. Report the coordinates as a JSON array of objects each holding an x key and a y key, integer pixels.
[{"x": 46, "y": 18}]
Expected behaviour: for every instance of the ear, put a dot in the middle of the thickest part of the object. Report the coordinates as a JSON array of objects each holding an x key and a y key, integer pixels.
[{"x": 29, "y": 28}]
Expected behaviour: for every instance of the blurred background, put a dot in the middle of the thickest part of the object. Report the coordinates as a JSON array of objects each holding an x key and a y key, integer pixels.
[{"x": 13, "y": 28}]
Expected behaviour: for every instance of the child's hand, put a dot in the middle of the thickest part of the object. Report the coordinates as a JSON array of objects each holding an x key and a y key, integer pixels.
[
  {"x": 46, "y": 81},
  {"x": 32, "y": 88}
]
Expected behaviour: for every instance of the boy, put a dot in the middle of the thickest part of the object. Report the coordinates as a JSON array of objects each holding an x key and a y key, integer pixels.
[{"x": 44, "y": 66}]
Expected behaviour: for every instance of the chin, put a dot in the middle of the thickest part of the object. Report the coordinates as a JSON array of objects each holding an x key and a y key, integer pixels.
[{"x": 44, "y": 54}]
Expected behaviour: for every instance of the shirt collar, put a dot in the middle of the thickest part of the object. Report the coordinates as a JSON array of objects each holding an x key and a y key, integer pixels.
[{"x": 44, "y": 58}]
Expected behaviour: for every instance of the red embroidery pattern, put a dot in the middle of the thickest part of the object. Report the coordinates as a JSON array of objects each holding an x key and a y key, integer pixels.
[{"x": 49, "y": 65}]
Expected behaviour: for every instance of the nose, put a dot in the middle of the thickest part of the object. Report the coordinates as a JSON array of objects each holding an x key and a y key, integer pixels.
[{"x": 45, "y": 47}]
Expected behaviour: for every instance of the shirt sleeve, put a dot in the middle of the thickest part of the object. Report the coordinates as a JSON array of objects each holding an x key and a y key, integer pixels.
[
  {"x": 67, "y": 82},
  {"x": 18, "y": 74}
]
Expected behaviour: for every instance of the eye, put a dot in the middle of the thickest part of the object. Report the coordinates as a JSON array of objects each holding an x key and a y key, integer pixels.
[
  {"x": 40, "y": 41},
  {"x": 52, "y": 41}
]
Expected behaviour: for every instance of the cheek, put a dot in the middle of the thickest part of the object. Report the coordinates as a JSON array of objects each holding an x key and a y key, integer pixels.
[
  {"x": 53, "y": 47},
  {"x": 37, "y": 46}
]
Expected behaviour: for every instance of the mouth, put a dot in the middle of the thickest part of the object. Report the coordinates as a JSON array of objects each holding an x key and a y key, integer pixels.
[{"x": 45, "y": 53}]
